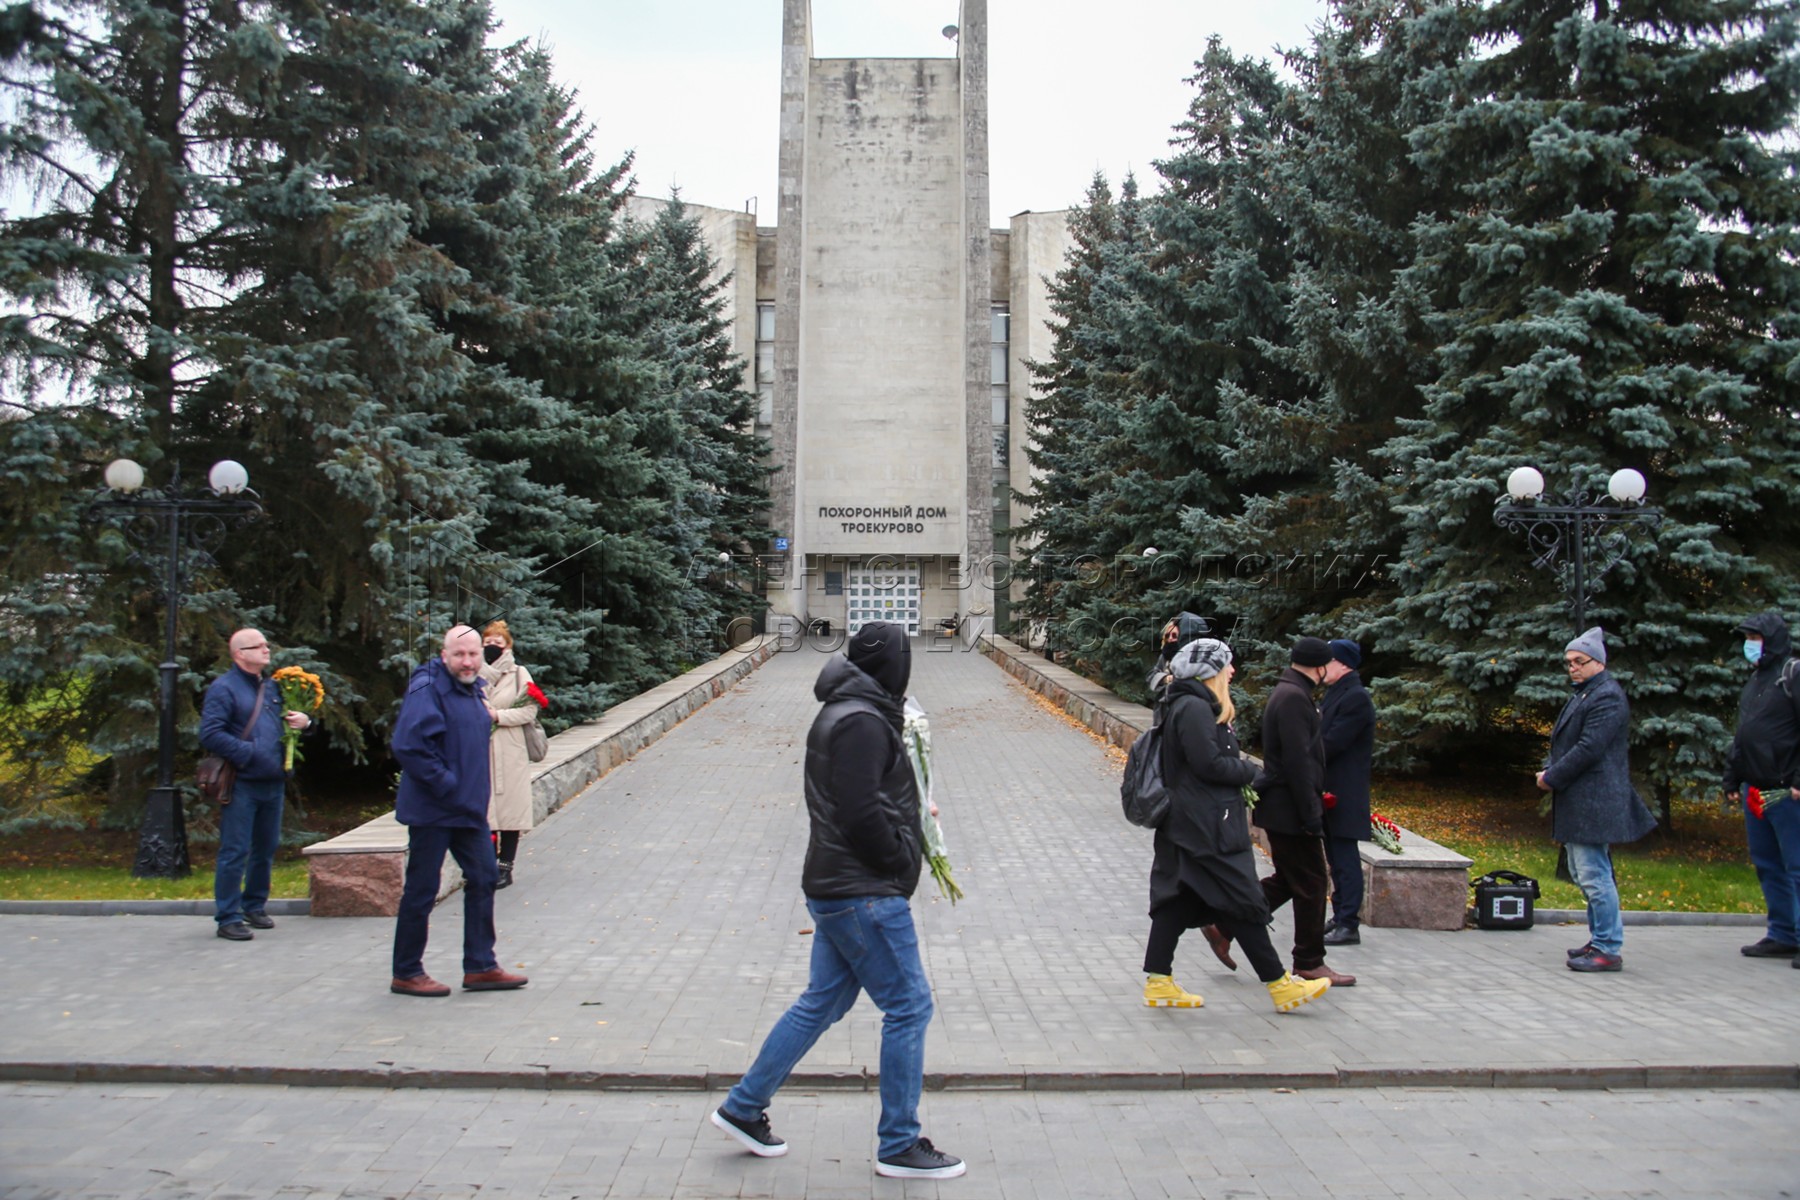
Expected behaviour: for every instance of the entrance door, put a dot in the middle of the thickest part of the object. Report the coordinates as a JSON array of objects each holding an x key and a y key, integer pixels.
[{"x": 884, "y": 594}]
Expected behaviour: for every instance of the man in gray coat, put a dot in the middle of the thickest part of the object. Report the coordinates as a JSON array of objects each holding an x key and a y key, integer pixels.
[{"x": 1593, "y": 805}]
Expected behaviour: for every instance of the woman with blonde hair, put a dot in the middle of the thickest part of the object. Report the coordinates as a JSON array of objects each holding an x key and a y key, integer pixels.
[
  {"x": 1204, "y": 872},
  {"x": 509, "y": 767}
]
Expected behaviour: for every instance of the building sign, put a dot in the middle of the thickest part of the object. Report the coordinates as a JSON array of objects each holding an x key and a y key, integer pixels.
[{"x": 882, "y": 518}]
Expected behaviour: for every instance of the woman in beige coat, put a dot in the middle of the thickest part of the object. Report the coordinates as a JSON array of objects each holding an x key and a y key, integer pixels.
[{"x": 509, "y": 801}]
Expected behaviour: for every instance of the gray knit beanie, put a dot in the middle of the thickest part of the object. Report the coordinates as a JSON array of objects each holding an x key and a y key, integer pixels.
[
  {"x": 1592, "y": 643},
  {"x": 1201, "y": 658}
]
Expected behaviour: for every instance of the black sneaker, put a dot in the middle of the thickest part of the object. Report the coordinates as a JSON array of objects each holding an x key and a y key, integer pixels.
[
  {"x": 1597, "y": 960},
  {"x": 1767, "y": 948},
  {"x": 756, "y": 1136},
  {"x": 1581, "y": 951},
  {"x": 923, "y": 1161},
  {"x": 1343, "y": 935}
]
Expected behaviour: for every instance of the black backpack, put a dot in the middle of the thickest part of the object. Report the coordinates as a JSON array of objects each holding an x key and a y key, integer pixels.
[{"x": 1142, "y": 793}]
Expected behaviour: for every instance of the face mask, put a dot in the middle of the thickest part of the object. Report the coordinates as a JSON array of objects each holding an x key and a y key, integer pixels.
[
  {"x": 1753, "y": 650},
  {"x": 492, "y": 653}
]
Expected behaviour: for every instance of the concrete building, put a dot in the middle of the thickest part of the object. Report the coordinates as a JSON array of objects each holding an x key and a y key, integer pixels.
[{"x": 885, "y": 325}]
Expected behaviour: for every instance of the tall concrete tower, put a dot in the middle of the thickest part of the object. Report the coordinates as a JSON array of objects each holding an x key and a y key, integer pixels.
[{"x": 882, "y": 419}]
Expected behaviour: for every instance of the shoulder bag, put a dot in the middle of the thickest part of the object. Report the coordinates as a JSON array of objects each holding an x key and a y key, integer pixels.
[
  {"x": 537, "y": 742},
  {"x": 214, "y": 775}
]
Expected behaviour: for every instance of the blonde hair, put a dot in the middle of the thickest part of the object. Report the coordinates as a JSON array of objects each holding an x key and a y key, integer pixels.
[
  {"x": 1221, "y": 691},
  {"x": 497, "y": 629}
]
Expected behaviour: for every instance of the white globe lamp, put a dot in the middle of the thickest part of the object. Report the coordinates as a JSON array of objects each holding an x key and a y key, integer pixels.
[
  {"x": 1526, "y": 483},
  {"x": 228, "y": 478}
]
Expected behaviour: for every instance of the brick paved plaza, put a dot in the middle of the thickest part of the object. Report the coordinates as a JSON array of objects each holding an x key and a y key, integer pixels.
[{"x": 660, "y": 918}]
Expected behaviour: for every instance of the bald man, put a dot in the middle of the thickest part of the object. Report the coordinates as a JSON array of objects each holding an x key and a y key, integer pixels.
[
  {"x": 240, "y": 721},
  {"x": 441, "y": 742}
]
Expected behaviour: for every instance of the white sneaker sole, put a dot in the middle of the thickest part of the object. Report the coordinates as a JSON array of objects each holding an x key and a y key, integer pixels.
[
  {"x": 882, "y": 1168},
  {"x": 746, "y": 1141}
]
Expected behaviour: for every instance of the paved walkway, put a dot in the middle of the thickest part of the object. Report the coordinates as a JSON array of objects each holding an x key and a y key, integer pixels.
[
  {"x": 660, "y": 918},
  {"x": 230, "y": 1142}
]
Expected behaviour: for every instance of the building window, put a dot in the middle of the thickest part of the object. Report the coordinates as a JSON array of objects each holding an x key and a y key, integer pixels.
[{"x": 765, "y": 365}]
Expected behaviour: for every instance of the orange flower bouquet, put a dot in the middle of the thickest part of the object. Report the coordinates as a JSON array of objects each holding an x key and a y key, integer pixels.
[{"x": 301, "y": 691}]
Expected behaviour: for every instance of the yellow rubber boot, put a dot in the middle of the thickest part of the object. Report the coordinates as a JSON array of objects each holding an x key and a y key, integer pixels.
[
  {"x": 1289, "y": 993},
  {"x": 1161, "y": 991}
]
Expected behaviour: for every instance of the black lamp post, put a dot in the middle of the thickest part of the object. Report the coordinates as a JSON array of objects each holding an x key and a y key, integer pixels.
[
  {"x": 177, "y": 532},
  {"x": 1577, "y": 537}
]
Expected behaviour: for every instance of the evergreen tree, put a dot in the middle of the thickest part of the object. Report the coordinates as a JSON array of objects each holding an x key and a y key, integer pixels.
[
  {"x": 1615, "y": 287},
  {"x": 721, "y": 504},
  {"x": 1314, "y": 534}
]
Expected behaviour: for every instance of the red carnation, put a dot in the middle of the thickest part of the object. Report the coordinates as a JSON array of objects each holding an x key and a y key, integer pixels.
[
  {"x": 1330, "y": 800},
  {"x": 537, "y": 694},
  {"x": 1753, "y": 800}
]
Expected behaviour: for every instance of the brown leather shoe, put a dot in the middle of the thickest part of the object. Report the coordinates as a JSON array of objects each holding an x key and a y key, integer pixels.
[
  {"x": 1338, "y": 979},
  {"x": 495, "y": 980},
  {"x": 1221, "y": 945},
  {"x": 418, "y": 985}
]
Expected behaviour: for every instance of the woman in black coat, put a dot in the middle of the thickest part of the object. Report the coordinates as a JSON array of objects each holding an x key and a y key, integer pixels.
[{"x": 1204, "y": 872}]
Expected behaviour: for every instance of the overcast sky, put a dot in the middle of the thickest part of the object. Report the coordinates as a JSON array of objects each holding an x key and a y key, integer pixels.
[{"x": 693, "y": 86}]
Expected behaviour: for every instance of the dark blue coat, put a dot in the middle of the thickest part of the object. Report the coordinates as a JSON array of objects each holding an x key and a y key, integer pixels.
[
  {"x": 441, "y": 742},
  {"x": 230, "y": 699},
  {"x": 1589, "y": 769},
  {"x": 1347, "y": 727}
]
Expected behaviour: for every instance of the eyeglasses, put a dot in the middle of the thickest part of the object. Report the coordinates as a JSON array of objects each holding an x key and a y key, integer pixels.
[{"x": 1579, "y": 661}]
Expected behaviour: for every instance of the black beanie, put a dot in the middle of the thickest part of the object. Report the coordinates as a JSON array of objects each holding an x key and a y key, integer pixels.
[
  {"x": 1310, "y": 652},
  {"x": 883, "y": 653}
]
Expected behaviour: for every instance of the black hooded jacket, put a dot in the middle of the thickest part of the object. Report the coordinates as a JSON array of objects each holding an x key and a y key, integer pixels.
[
  {"x": 860, "y": 793},
  {"x": 1766, "y": 751}
]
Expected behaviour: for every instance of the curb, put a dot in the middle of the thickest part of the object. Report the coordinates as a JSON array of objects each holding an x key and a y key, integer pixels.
[
  {"x": 1618, "y": 1076},
  {"x": 139, "y": 908},
  {"x": 1641, "y": 916}
]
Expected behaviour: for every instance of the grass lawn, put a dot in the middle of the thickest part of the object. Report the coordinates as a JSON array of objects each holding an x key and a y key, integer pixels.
[
  {"x": 1702, "y": 866},
  {"x": 95, "y": 863},
  {"x": 116, "y": 883}
]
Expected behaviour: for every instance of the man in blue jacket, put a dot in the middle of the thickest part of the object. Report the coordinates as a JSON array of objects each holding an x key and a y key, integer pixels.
[
  {"x": 441, "y": 742},
  {"x": 241, "y": 722},
  {"x": 1593, "y": 805}
]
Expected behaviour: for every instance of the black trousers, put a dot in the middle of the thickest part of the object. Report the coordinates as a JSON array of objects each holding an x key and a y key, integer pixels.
[
  {"x": 1187, "y": 911},
  {"x": 1300, "y": 876},
  {"x": 1346, "y": 881}
]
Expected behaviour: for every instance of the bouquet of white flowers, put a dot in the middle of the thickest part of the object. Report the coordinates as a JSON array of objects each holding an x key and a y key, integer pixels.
[{"x": 915, "y": 733}]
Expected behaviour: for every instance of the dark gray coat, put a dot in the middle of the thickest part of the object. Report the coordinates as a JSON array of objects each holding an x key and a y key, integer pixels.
[
  {"x": 1347, "y": 729},
  {"x": 1204, "y": 845},
  {"x": 1589, "y": 769}
]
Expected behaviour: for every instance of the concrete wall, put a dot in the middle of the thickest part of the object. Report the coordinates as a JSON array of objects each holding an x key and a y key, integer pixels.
[
  {"x": 882, "y": 342},
  {"x": 1039, "y": 247}
]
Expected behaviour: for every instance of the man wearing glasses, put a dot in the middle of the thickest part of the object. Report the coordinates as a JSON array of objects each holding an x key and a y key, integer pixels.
[
  {"x": 240, "y": 721},
  {"x": 1593, "y": 804}
]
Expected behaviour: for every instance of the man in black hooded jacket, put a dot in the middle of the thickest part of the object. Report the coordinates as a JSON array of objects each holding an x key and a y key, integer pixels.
[
  {"x": 1765, "y": 755},
  {"x": 862, "y": 864}
]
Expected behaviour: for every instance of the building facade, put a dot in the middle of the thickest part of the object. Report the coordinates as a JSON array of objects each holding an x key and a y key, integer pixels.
[{"x": 885, "y": 325}]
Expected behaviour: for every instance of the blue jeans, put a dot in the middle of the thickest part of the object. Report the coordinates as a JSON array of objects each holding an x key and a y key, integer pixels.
[
  {"x": 860, "y": 944},
  {"x": 249, "y": 833},
  {"x": 1591, "y": 865},
  {"x": 1775, "y": 853},
  {"x": 473, "y": 849}
]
